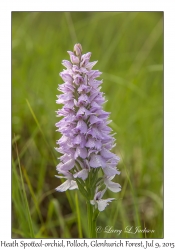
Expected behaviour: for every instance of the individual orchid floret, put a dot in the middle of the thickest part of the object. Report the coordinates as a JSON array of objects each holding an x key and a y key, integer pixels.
[
  {"x": 100, "y": 203},
  {"x": 113, "y": 186},
  {"x": 83, "y": 174},
  {"x": 68, "y": 184}
]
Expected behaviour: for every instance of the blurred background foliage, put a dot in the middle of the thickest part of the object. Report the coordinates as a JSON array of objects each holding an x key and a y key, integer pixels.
[{"x": 129, "y": 50}]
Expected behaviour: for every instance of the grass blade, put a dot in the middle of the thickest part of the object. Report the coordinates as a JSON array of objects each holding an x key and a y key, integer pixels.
[{"x": 25, "y": 197}]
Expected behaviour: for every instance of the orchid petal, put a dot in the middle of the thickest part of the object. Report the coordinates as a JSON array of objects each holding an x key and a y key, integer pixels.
[
  {"x": 103, "y": 203},
  {"x": 114, "y": 187},
  {"x": 83, "y": 174}
]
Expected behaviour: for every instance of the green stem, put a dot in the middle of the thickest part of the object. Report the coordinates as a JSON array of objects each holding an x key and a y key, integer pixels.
[
  {"x": 78, "y": 216},
  {"x": 91, "y": 221}
]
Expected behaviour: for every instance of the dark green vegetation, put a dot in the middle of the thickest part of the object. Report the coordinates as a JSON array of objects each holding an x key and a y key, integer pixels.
[{"x": 129, "y": 50}]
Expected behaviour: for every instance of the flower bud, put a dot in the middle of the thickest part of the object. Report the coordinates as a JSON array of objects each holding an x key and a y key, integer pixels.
[
  {"x": 67, "y": 64},
  {"x": 74, "y": 59},
  {"x": 78, "y": 49}
]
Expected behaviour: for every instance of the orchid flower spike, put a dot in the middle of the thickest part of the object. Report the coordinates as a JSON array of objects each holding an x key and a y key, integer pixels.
[{"x": 86, "y": 142}]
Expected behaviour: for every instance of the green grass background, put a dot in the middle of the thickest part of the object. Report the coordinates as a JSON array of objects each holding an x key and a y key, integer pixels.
[{"x": 129, "y": 50}]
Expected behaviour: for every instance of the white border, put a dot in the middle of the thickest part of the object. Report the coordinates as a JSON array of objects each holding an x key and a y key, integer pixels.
[{"x": 5, "y": 92}]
